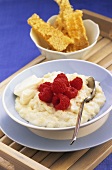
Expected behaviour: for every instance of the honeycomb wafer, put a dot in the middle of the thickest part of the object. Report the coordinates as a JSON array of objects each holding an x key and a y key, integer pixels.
[
  {"x": 54, "y": 37},
  {"x": 71, "y": 24},
  {"x": 65, "y": 9}
]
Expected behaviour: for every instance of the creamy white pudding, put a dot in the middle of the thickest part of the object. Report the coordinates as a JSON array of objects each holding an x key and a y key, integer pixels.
[{"x": 43, "y": 114}]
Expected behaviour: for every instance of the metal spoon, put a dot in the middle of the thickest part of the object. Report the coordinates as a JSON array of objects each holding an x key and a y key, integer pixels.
[{"x": 91, "y": 84}]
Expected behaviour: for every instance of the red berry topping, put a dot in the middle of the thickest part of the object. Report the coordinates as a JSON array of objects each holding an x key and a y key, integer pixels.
[
  {"x": 58, "y": 86},
  {"x": 43, "y": 85},
  {"x": 46, "y": 95},
  {"x": 71, "y": 92},
  {"x": 77, "y": 83},
  {"x": 60, "y": 91},
  {"x": 61, "y": 75},
  {"x": 63, "y": 78},
  {"x": 60, "y": 102}
]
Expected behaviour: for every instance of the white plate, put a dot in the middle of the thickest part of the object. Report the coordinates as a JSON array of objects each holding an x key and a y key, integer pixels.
[{"x": 23, "y": 136}]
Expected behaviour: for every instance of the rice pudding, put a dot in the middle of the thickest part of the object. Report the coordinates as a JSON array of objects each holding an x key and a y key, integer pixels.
[{"x": 43, "y": 114}]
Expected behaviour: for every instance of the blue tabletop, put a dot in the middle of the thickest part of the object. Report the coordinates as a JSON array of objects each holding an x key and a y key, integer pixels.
[{"x": 16, "y": 47}]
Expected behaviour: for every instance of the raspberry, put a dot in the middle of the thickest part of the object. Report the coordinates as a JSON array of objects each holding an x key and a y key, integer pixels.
[
  {"x": 71, "y": 92},
  {"x": 62, "y": 77},
  {"x": 55, "y": 100},
  {"x": 60, "y": 91},
  {"x": 46, "y": 95},
  {"x": 58, "y": 86},
  {"x": 60, "y": 102},
  {"x": 76, "y": 83},
  {"x": 43, "y": 85}
]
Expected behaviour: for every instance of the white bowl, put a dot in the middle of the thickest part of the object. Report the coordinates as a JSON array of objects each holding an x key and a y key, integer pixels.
[
  {"x": 68, "y": 66},
  {"x": 92, "y": 30}
]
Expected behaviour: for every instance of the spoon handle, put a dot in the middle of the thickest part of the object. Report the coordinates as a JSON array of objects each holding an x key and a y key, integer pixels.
[{"x": 78, "y": 123}]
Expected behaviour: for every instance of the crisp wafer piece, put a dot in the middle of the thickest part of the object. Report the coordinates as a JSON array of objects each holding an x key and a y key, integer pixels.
[
  {"x": 65, "y": 9},
  {"x": 71, "y": 24},
  {"x": 76, "y": 30},
  {"x": 54, "y": 37}
]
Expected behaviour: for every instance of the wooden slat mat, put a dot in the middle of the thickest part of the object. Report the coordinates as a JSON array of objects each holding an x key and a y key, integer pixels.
[{"x": 15, "y": 156}]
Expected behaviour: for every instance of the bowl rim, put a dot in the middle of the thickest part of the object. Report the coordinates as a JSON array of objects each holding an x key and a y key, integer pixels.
[
  {"x": 29, "y": 125},
  {"x": 69, "y": 53}
]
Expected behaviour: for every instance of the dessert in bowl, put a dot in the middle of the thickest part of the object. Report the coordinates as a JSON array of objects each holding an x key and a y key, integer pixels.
[
  {"x": 92, "y": 30},
  {"x": 65, "y": 35},
  {"x": 26, "y": 102}
]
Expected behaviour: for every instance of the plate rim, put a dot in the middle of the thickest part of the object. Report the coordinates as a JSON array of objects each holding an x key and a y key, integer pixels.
[{"x": 65, "y": 149}]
